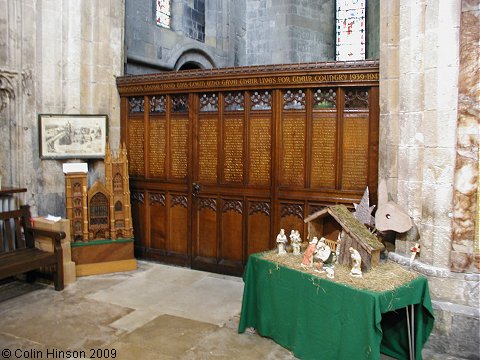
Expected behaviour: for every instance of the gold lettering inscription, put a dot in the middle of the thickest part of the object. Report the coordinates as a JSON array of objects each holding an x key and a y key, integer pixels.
[
  {"x": 136, "y": 134},
  {"x": 178, "y": 147},
  {"x": 260, "y": 151},
  {"x": 207, "y": 150},
  {"x": 266, "y": 80},
  {"x": 324, "y": 140},
  {"x": 293, "y": 154},
  {"x": 233, "y": 150},
  {"x": 156, "y": 144},
  {"x": 355, "y": 153}
]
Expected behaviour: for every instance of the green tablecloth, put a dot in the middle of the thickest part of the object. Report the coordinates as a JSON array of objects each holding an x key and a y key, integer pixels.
[{"x": 317, "y": 318}]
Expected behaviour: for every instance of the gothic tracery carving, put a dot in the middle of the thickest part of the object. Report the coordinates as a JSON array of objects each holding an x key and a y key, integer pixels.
[
  {"x": 259, "y": 207},
  {"x": 157, "y": 198},
  {"x": 208, "y": 204},
  {"x": 7, "y": 90},
  {"x": 292, "y": 210},
  {"x": 233, "y": 205}
]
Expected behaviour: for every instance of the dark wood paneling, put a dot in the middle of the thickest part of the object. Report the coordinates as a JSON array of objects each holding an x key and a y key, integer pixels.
[
  {"x": 266, "y": 145},
  {"x": 258, "y": 226}
]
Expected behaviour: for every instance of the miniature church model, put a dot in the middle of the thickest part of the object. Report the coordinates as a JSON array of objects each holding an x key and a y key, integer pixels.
[{"x": 104, "y": 211}]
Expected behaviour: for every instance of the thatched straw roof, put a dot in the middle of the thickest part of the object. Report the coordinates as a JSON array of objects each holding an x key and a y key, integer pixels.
[{"x": 350, "y": 225}]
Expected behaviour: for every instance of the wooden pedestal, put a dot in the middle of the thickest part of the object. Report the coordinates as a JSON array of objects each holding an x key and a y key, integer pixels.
[{"x": 103, "y": 256}]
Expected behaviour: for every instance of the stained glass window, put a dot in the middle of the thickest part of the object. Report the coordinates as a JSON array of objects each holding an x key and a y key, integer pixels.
[
  {"x": 350, "y": 28},
  {"x": 163, "y": 13}
]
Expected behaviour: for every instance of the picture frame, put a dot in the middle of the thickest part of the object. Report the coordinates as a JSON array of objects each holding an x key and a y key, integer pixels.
[{"x": 72, "y": 136}]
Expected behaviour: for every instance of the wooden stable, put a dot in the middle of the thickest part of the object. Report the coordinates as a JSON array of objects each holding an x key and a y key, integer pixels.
[
  {"x": 221, "y": 159},
  {"x": 334, "y": 222}
]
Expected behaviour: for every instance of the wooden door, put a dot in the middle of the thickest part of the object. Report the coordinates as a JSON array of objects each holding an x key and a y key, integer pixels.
[{"x": 232, "y": 177}]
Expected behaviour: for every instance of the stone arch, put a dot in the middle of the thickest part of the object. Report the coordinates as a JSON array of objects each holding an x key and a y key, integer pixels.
[{"x": 194, "y": 58}]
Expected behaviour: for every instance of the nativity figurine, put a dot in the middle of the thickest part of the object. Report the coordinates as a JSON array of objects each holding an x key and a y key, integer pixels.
[
  {"x": 307, "y": 261},
  {"x": 296, "y": 241},
  {"x": 282, "y": 242},
  {"x": 323, "y": 251},
  {"x": 356, "y": 263}
]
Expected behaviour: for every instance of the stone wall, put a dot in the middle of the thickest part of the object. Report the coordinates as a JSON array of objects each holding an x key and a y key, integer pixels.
[
  {"x": 151, "y": 48},
  {"x": 419, "y": 122},
  {"x": 288, "y": 31},
  {"x": 57, "y": 58},
  {"x": 237, "y": 33}
]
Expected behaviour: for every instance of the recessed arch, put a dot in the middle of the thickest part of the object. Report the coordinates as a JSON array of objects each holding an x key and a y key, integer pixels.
[{"x": 194, "y": 59}]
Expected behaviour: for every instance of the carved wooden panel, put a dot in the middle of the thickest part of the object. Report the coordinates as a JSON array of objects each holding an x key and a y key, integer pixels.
[
  {"x": 292, "y": 216},
  {"x": 180, "y": 103},
  {"x": 233, "y": 150},
  {"x": 158, "y": 104},
  {"x": 234, "y": 101},
  {"x": 207, "y": 150},
  {"x": 325, "y": 98},
  {"x": 177, "y": 240},
  {"x": 324, "y": 151},
  {"x": 355, "y": 152},
  {"x": 293, "y": 150},
  {"x": 261, "y": 100},
  {"x": 209, "y": 102},
  {"x": 136, "y": 153},
  {"x": 258, "y": 227},
  {"x": 136, "y": 104},
  {"x": 137, "y": 202},
  {"x": 157, "y": 143},
  {"x": 260, "y": 143},
  {"x": 294, "y": 99},
  {"x": 356, "y": 98},
  {"x": 232, "y": 231},
  {"x": 206, "y": 245},
  {"x": 156, "y": 198},
  {"x": 178, "y": 147},
  {"x": 158, "y": 220}
]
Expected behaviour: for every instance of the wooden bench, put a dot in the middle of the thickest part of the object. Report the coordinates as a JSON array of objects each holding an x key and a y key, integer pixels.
[{"x": 18, "y": 254}]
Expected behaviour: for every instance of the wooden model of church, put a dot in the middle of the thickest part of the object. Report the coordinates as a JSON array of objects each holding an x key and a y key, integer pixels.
[{"x": 102, "y": 212}]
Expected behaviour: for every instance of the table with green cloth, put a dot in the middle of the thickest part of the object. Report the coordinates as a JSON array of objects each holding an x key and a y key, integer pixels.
[{"x": 317, "y": 318}]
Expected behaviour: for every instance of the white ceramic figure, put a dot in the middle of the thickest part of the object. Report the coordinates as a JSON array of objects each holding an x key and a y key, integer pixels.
[
  {"x": 356, "y": 262},
  {"x": 323, "y": 251},
  {"x": 295, "y": 240},
  {"x": 281, "y": 242},
  {"x": 308, "y": 256},
  {"x": 330, "y": 272}
]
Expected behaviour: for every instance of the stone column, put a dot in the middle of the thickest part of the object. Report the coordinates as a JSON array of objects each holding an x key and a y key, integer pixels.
[
  {"x": 465, "y": 247},
  {"x": 418, "y": 92}
]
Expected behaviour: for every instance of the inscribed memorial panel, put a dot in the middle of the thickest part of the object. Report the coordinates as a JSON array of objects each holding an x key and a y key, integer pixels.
[
  {"x": 260, "y": 139},
  {"x": 136, "y": 160},
  {"x": 324, "y": 145},
  {"x": 293, "y": 150},
  {"x": 233, "y": 150},
  {"x": 207, "y": 150},
  {"x": 178, "y": 147},
  {"x": 156, "y": 142},
  {"x": 355, "y": 152}
]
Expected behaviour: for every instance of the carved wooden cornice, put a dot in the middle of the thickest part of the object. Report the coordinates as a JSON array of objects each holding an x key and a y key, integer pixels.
[{"x": 309, "y": 74}]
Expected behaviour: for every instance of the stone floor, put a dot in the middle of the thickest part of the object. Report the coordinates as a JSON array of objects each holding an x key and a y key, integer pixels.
[{"x": 156, "y": 312}]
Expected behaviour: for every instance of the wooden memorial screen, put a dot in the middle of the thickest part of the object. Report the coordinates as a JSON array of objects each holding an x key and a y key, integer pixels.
[{"x": 221, "y": 159}]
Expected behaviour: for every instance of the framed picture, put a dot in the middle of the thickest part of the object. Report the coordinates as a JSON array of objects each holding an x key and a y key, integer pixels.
[{"x": 72, "y": 136}]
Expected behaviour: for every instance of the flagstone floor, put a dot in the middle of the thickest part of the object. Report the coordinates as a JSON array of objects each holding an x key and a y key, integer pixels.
[{"x": 155, "y": 312}]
